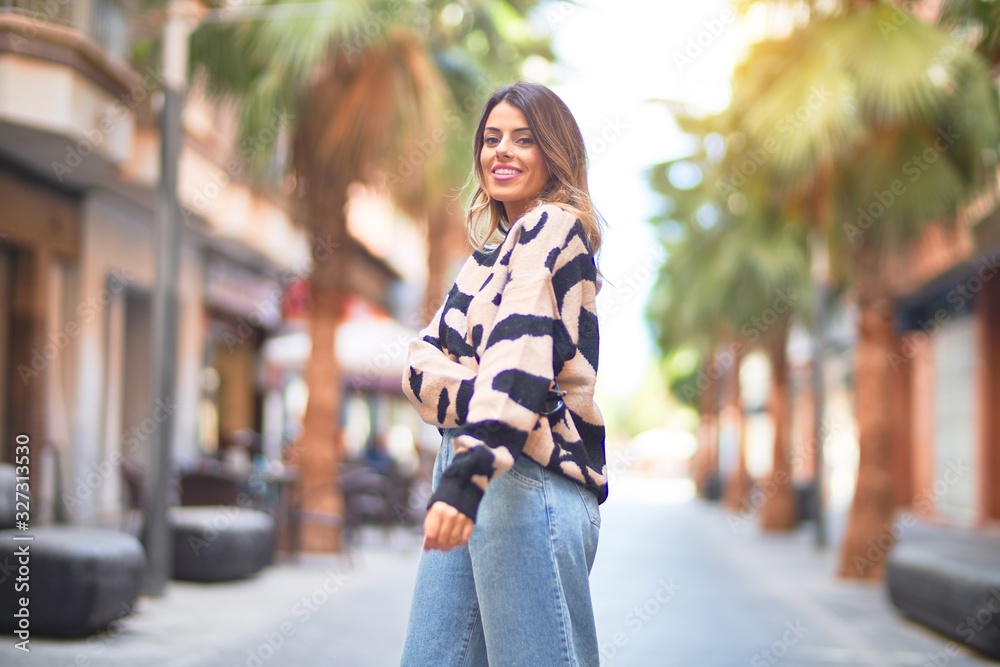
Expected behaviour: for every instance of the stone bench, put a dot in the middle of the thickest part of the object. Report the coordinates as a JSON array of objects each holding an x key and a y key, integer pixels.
[
  {"x": 220, "y": 542},
  {"x": 950, "y": 582},
  {"x": 80, "y": 579}
]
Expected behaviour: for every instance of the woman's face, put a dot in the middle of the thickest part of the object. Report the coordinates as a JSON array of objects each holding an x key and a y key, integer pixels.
[{"x": 514, "y": 170}]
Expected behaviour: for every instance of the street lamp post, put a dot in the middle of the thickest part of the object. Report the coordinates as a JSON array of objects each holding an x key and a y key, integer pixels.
[
  {"x": 820, "y": 278},
  {"x": 156, "y": 536}
]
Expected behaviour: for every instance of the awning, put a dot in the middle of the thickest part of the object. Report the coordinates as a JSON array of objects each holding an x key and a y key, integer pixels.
[{"x": 371, "y": 351}]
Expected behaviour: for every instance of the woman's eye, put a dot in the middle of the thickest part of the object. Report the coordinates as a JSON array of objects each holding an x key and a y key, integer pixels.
[
  {"x": 491, "y": 141},
  {"x": 524, "y": 141}
]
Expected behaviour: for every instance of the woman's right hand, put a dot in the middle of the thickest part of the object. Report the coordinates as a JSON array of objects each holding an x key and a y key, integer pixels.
[{"x": 446, "y": 528}]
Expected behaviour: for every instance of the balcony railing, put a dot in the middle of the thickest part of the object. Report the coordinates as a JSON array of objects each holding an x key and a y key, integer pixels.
[{"x": 103, "y": 21}]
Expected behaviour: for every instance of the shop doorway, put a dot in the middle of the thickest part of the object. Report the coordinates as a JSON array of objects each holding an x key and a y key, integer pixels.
[{"x": 136, "y": 399}]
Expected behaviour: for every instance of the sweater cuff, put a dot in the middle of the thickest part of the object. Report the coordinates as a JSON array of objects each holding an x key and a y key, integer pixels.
[{"x": 462, "y": 494}]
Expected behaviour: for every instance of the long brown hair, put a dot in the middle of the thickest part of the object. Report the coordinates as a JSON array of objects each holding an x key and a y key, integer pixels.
[{"x": 559, "y": 138}]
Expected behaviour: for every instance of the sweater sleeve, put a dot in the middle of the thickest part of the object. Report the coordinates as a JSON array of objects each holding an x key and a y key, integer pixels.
[
  {"x": 516, "y": 369},
  {"x": 439, "y": 387}
]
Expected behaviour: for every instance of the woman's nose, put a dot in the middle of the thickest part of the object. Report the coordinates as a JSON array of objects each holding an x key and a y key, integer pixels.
[{"x": 503, "y": 148}]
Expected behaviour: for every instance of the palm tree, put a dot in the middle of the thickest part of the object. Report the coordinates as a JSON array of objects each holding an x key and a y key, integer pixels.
[
  {"x": 686, "y": 314},
  {"x": 367, "y": 93},
  {"x": 871, "y": 125},
  {"x": 359, "y": 85},
  {"x": 477, "y": 46},
  {"x": 975, "y": 21},
  {"x": 737, "y": 275},
  {"x": 684, "y": 367}
]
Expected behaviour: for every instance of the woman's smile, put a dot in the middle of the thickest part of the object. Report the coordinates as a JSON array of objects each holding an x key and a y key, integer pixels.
[{"x": 505, "y": 173}]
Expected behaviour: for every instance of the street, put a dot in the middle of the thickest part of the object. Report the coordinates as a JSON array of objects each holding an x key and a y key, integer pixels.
[{"x": 676, "y": 582}]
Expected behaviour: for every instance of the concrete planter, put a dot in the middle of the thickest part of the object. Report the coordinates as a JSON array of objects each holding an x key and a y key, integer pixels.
[
  {"x": 80, "y": 579},
  {"x": 952, "y": 585},
  {"x": 220, "y": 543}
]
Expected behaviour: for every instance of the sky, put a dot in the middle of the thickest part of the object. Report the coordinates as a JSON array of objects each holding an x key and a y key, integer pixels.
[{"x": 615, "y": 56}]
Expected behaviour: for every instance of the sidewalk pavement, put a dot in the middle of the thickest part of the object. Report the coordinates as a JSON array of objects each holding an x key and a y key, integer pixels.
[{"x": 675, "y": 583}]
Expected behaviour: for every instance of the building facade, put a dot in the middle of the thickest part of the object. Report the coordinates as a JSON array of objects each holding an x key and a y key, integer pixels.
[
  {"x": 79, "y": 166},
  {"x": 946, "y": 384}
]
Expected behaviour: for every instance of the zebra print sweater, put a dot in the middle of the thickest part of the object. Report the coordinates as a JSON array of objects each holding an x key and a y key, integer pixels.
[{"x": 518, "y": 317}]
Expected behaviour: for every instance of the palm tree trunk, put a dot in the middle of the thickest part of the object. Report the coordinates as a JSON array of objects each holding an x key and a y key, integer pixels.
[
  {"x": 320, "y": 449},
  {"x": 706, "y": 463},
  {"x": 869, "y": 537},
  {"x": 438, "y": 223},
  {"x": 738, "y": 484},
  {"x": 778, "y": 513}
]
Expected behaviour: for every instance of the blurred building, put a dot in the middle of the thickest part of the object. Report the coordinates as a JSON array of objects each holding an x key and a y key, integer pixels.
[
  {"x": 79, "y": 165},
  {"x": 944, "y": 382},
  {"x": 946, "y": 371},
  {"x": 946, "y": 365}
]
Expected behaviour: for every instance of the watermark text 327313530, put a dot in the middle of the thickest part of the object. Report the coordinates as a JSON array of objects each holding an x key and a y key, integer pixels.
[{"x": 22, "y": 518}]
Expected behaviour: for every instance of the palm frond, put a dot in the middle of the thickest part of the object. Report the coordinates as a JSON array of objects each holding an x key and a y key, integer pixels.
[
  {"x": 975, "y": 22},
  {"x": 904, "y": 135},
  {"x": 720, "y": 277}
]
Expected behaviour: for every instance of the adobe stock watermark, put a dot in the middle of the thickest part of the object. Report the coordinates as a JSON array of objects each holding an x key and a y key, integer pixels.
[
  {"x": 878, "y": 548},
  {"x": 755, "y": 158},
  {"x": 957, "y": 298},
  {"x": 709, "y": 373},
  {"x": 302, "y": 610},
  {"x": 622, "y": 463},
  {"x": 360, "y": 32},
  {"x": 417, "y": 502},
  {"x": 424, "y": 149},
  {"x": 711, "y": 30},
  {"x": 120, "y": 109},
  {"x": 784, "y": 301},
  {"x": 764, "y": 490},
  {"x": 8, "y": 568},
  {"x": 376, "y": 366},
  {"x": 131, "y": 440},
  {"x": 899, "y": 18},
  {"x": 247, "y": 150},
  {"x": 610, "y": 132},
  {"x": 943, "y": 657},
  {"x": 377, "y": 22},
  {"x": 753, "y": 330},
  {"x": 394, "y": 349},
  {"x": 983, "y": 618},
  {"x": 247, "y": 325},
  {"x": 559, "y": 12},
  {"x": 773, "y": 654},
  {"x": 633, "y": 282},
  {"x": 640, "y": 616},
  {"x": 390, "y": 354},
  {"x": 98, "y": 643},
  {"x": 915, "y": 167},
  {"x": 43, "y": 14},
  {"x": 86, "y": 312},
  {"x": 415, "y": 506},
  {"x": 967, "y": 629}
]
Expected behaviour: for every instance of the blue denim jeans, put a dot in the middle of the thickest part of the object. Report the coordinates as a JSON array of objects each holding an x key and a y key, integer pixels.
[{"x": 518, "y": 594}]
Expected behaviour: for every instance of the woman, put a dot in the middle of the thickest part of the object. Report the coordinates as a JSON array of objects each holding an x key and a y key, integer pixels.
[{"x": 506, "y": 369}]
